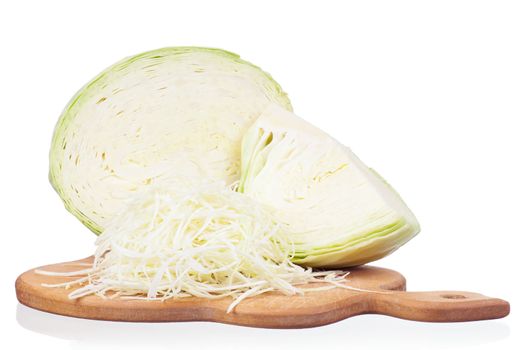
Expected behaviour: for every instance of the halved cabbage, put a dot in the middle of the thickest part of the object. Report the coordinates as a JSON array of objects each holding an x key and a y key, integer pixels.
[
  {"x": 337, "y": 211},
  {"x": 177, "y": 111}
]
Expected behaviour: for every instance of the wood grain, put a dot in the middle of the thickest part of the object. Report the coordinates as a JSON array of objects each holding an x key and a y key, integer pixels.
[{"x": 270, "y": 310}]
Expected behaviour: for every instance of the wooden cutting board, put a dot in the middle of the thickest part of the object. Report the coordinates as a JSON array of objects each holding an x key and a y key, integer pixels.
[{"x": 270, "y": 310}]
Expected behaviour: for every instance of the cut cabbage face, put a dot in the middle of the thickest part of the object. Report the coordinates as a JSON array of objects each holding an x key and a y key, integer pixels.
[
  {"x": 337, "y": 211},
  {"x": 169, "y": 112}
]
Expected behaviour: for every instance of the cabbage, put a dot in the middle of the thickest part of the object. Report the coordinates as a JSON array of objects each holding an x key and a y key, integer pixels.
[
  {"x": 188, "y": 238},
  {"x": 170, "y": 112},
  {"x": 337, "y": 211}
]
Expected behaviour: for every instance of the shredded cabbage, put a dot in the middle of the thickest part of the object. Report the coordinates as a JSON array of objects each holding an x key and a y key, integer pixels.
[{"x": 203, "y": 240}]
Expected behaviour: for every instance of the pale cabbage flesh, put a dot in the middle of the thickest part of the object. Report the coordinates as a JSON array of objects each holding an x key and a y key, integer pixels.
[
  {"x": 336, "y": 210},
  {"x": 171, "y": 112}
]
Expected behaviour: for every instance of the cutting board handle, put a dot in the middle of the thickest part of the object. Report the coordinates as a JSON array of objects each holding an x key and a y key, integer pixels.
[{"x": 440, "y": 306}]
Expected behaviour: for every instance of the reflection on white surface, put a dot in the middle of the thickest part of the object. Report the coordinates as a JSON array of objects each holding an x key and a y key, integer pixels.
[{"x": 372, "y": 330}]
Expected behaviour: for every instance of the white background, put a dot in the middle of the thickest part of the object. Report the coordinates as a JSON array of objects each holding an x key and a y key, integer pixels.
[{"x": 431, "y": 94}]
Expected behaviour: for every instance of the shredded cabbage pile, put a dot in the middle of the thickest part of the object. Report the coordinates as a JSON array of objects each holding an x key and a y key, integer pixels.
[{"x": 203, "y": 240}]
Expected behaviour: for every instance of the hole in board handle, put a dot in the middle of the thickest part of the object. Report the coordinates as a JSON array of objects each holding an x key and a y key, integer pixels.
[{"x": 453, "y": 296}]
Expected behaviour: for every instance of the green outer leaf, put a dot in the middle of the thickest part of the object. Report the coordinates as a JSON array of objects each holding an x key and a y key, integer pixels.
[{"x": 362, "y": 251}]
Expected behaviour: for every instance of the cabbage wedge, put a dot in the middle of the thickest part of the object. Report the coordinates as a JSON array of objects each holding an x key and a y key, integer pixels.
[{"x": 336, "y": 210}]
